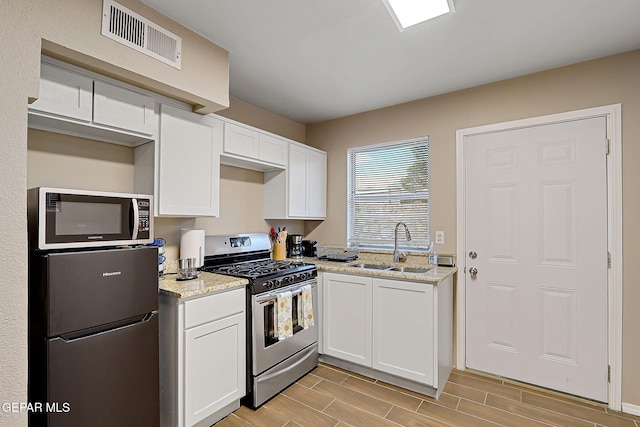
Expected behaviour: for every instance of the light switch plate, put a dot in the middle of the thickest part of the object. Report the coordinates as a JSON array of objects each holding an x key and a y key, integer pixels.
[{"x": 440, "y": 237}]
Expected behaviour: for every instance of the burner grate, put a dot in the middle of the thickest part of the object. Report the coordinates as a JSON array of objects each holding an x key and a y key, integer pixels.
[{"x": 256, "y": 269}]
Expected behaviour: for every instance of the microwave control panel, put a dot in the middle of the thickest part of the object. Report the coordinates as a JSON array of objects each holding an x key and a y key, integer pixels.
[{"x": 144, "y": 207}]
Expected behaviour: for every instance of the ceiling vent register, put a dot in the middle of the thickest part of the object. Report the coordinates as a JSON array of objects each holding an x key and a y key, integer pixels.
[{"x": 130, "y": 29}]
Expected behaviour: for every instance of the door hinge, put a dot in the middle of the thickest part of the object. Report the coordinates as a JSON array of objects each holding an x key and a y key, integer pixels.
[
  {"x": 607, "y": 146},
  {"x": 609, "y": 373},
  {"x": 609, "y": 260}
]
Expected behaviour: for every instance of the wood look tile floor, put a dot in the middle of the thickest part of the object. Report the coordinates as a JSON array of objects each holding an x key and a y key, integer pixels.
[{"x": 329, "y": 396}]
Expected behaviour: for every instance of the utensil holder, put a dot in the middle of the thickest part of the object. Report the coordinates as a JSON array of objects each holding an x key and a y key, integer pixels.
[{"x": 279, "y": 251}]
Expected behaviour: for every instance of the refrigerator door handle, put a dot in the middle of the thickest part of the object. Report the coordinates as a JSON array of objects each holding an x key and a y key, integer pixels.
[{"x": 70, "y": 338}]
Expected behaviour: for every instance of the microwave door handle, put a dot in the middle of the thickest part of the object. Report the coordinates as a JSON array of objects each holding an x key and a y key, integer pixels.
[{"x": 136, "y": 219}]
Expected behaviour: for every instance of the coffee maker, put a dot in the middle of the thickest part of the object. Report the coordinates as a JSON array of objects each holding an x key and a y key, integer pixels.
[
  {"x": 294, "y": 246},
  {"x": 309, "y": 248}
]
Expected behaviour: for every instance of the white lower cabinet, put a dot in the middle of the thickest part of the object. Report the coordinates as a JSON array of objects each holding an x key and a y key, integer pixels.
[
  {"x": 347, "y": 305},
  {"x": 403, "y": 327},
  {"x": 390, "y": 329},
  {"x": 202, "y": 358}
]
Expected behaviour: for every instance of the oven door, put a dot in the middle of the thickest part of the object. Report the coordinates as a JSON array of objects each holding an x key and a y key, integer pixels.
[{"x": 267, "y": 349}]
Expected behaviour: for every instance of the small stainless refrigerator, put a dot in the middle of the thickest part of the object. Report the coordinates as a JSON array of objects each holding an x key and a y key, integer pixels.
[{"x": 93, "y": 338}]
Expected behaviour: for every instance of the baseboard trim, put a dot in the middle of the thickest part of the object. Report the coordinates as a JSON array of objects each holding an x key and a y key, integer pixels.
[{"x": 628, "y": 408}]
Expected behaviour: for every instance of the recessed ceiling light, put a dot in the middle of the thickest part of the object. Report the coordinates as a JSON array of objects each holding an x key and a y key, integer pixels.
[{"x": 407, "y": 13}]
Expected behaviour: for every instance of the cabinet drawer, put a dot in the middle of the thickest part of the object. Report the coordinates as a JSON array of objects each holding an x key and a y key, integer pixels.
[{"x": 213, "y": 307}]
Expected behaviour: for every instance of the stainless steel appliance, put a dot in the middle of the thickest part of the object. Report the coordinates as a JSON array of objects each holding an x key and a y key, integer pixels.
[
  {"x": 64, "y": 218},
  {"x": 294, "y": 246},
  {"x": 93, "y": 337},
  {"x": 272, "y": 363}
]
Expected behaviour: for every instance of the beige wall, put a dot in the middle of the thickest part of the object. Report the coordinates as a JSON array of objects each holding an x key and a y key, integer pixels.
[
  {"x": 605, "y": 81},
  {"x": 241, "y": 202},
  {"x": 55, "y": 160}
]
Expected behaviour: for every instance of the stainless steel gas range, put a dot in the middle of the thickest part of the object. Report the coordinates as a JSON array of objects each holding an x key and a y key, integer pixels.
[{"x": 282, "y": 330}]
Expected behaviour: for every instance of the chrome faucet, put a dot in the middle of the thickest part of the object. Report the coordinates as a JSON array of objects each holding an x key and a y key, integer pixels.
[{"x": 397, "y": 256}]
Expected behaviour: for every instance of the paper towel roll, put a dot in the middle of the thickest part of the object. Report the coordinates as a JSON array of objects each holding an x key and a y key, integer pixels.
[{"x": 192, "y": 245}]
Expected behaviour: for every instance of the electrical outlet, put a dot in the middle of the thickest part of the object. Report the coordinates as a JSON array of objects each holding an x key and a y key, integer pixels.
[{"x": 440, "y": 237}]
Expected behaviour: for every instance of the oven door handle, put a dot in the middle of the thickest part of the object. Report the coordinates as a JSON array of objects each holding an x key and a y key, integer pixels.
[
  {"x": 273, "y": 297},
  {"x": 287, "y": 369}
]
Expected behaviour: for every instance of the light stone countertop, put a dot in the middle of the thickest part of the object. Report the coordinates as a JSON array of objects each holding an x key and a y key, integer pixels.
[
  {"x": 434, "y": 275},
  {"x": 207, "y": 283}
]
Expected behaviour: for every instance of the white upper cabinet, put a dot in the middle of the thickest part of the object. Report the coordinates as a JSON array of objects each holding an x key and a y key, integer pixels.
[
  {"x": 84, "y": 105},
  {"x": 122, "y": 108},
  {"x": 307, "y": 182},
  {"x": 295, "y": 175},
  {"x": 64, "y": 93},
  {"x": 241, "y": 141},
  {"x": 273, "y": 149},
  {"x": 300, "y": 192},
  {"x": 317, "y": 177},
  {"x": 188, "y": 164},
  {"x": 252, "y": 148}
]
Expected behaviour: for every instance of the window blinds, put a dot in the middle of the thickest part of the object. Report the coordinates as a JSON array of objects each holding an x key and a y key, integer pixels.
[{"x": 389, "y": 183}]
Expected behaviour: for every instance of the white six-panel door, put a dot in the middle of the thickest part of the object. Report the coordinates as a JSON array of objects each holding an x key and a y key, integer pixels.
[{"x": 536, "y": 240}]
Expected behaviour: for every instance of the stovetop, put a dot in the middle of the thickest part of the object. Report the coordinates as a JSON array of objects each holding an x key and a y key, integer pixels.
[
  {"x": 249, "y": 256},
  {"x": 267, "y": 274},
  {"x": 256, "y": 269}
]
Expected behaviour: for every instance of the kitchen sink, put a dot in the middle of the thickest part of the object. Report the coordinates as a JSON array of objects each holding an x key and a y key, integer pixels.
[
  {"x": 370, "y": 266},
  {"x": 383, "y": 267},
  {"x": 410, "y": 269}
]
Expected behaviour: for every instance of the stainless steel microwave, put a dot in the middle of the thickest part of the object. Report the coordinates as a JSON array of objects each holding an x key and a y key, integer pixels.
[{"x": 64, "y": 218}]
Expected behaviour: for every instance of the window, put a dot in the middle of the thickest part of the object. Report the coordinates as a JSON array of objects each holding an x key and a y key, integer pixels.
[{"x": 389, "y": 183}]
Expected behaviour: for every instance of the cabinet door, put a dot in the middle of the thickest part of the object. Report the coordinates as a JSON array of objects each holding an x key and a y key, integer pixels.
[
  {"x": 273, "y": 150},
  {"x": 214, "y": 367},
  {"x": 64, "y": 93},
  {"x": 241, "y": 141},
  {"x": 317, "y": 182},
  {"x": 347, "y": 317},
  {"x": 189, "y": 163},
  {"x": 321, "y": 312},
  {"x": 403, "y": 329},
  {"x": 298, "y": 185},
  {"x": 122, "y": 108}
]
